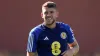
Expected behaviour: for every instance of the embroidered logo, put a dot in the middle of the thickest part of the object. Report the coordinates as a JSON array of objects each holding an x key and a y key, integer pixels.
[
  {"x": 46, "y": 38},
  {"x": 63, "y": 35}
]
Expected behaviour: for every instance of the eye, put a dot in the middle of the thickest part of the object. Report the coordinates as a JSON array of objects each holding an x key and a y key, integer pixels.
[
  {"x": 46, "y": 12},
  {"x": 51, "y": 11}
]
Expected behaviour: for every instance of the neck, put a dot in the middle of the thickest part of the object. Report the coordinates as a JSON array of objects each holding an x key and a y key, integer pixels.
[{"x": 50, "y": 26}]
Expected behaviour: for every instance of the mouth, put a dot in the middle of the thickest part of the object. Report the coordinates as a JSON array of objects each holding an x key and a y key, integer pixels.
[{"x": 49, "y": 18}]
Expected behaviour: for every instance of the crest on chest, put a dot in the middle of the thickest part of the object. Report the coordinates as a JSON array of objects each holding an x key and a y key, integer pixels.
[{"x": 63, "y": 35}]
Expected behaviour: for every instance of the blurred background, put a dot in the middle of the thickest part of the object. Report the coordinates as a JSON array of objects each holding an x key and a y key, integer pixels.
[{"x": 18, "y": 17}]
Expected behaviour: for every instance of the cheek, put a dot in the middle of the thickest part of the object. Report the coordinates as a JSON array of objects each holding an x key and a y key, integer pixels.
[
  {"x": 43, "y": 16},
  {"x": 55, "y": 15}
]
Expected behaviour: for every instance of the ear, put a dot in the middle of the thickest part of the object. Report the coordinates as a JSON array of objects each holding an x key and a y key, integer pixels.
[{"x": 41, "y": 14}]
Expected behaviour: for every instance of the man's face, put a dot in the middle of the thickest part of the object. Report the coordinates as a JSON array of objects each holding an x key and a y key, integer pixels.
[{"x": 49, "y": 15}]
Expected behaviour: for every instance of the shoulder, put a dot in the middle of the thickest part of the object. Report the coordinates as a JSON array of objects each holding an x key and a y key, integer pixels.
[
  {"x": 63, "y": 25},
  {"x": 36, "y": 30}
]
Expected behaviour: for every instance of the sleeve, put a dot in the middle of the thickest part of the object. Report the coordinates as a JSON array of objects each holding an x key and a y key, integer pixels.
[
  {"x": 70, "y": 33},
  {"x": 31, "y": 45}
]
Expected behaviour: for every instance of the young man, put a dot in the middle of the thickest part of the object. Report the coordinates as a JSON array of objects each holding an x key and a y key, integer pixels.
[{"x": 51, "y": 38}]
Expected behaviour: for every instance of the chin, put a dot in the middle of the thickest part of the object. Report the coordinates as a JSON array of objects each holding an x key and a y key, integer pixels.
[{"x": 51, "y": 23}]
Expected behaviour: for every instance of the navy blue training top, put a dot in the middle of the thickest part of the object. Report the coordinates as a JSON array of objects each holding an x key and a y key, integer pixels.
[{"x": 50, "y": 42}]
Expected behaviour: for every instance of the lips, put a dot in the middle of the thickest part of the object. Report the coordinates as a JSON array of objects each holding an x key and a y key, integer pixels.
[{"x": 49, "y": 18}]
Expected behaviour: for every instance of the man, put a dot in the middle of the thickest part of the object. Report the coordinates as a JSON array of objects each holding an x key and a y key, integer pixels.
[{"x": 51, "y": 38}]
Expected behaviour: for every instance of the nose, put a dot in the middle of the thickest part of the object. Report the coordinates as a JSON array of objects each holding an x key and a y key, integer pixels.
[{"x": 49, "y": 14}]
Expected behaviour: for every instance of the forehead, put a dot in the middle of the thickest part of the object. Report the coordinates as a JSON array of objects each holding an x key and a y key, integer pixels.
[{"x": 45, "y": 9}]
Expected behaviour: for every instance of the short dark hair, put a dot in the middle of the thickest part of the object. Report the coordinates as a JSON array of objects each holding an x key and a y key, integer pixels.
[{"x": 49, "y": 4}]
